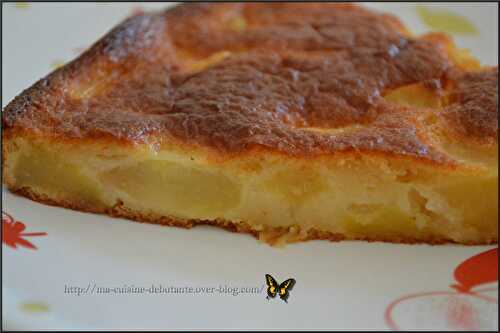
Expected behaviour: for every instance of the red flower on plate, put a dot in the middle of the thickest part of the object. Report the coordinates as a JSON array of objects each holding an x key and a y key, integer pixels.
[
  {"x": 464, "y": 307},
  {"x": 13, "y": 235},
  {"x": 477, "y": 270}
]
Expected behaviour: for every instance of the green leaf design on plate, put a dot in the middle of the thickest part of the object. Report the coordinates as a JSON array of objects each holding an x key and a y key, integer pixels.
[
  {"x": 34, "y": 307},
  {"x": 446, "y": 21}
]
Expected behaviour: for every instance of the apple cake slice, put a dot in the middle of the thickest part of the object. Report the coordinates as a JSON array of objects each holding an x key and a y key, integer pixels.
[{"x": 284, "y": 120}]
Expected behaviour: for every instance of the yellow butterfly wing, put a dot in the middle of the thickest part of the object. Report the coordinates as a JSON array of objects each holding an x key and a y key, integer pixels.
[
  {"x": 285, "y": 287},
  {"x": 272, "y": 286}
]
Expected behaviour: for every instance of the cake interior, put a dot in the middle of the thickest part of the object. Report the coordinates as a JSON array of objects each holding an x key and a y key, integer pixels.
[
  {"x": 278, "y": 198},
  {"x": 281, "y": 200}
]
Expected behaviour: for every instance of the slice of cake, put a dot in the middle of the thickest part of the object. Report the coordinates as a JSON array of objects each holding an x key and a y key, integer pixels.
[{"x": 287, "y": 121}]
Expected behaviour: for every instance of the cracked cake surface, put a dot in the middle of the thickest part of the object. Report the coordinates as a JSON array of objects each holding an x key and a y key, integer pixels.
[{"x": 313, "y": 90}]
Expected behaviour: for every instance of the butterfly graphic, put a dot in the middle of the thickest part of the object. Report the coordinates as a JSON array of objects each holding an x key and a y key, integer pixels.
[{"x": 283, "y": 289}]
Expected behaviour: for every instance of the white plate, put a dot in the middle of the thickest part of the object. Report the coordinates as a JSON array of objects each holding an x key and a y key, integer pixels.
[{"x": 348, "y": 285}]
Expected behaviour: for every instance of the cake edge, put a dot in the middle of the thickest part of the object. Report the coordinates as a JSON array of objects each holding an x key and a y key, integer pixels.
[{"x": 270, "y": 236}]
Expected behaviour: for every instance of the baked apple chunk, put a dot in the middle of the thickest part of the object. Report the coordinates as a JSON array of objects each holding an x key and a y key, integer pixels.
[{"x": 287, "y": 121}]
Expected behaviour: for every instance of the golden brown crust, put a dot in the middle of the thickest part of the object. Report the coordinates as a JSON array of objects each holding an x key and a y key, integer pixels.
[
  {"x": 472, "y": 111},
  {"x": 293, "y": 67},
  {"x": 270, "y": 235}
]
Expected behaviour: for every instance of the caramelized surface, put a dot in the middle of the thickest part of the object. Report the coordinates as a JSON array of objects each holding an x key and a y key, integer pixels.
[
  {"x": 301, "y": 79},
  {"x": 287, "y": 121}
]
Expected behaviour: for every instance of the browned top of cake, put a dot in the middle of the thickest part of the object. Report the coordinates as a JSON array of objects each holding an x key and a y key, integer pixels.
[
  {"x": 301, "y": 79},
  {"x": 473, "y": 104}
]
